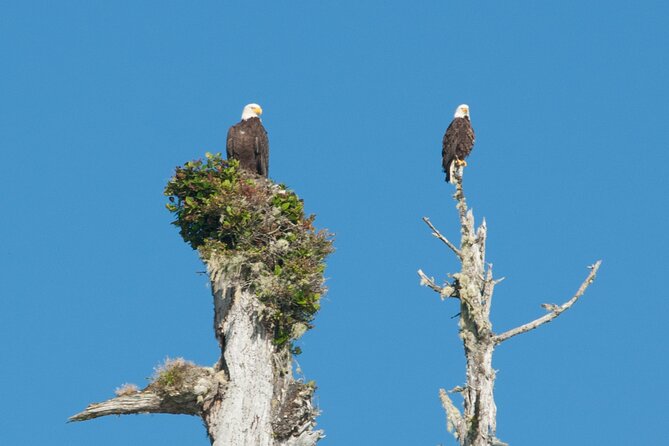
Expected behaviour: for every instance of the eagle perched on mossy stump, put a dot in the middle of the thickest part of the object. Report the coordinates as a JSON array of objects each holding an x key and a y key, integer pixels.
[
  {"x": 255, "y": 228},
  {"x": 265, "y": 262}
]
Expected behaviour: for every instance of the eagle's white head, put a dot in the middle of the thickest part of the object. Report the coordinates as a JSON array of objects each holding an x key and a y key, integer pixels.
[
  {"x": 251, "y": 111},
  {"x": 461, "y": 111}
]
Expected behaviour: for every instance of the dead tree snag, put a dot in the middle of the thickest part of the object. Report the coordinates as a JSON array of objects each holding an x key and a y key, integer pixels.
[{"x": 473, "y": 286}]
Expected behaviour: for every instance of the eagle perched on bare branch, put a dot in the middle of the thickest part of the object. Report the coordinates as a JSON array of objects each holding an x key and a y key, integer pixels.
[
  {"x": 458, "y": 142},
  {"x": 247, "y": 142}
]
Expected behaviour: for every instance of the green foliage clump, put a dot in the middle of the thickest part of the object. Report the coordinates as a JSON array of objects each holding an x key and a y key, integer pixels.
[{"x": 248, "y": 223}]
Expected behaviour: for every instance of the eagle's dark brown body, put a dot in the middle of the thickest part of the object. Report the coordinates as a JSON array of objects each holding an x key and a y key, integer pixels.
[
  {"x": 457, "y": 144},
  {"x": 248, "y": 143}
]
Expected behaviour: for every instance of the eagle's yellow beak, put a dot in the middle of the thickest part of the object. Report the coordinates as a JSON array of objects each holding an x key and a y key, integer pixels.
[
  {"x": 465, "y": 110},
  {"x": 258, "y": 111}
]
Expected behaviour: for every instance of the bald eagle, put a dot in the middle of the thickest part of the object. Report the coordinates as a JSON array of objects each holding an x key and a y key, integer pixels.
[
  {"x": 458, "y": 142},
  {"x": 247, "y": 142}
]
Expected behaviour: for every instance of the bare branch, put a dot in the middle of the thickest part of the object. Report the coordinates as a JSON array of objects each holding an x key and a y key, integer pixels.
[
  {"x": 444, "y": 292},
  {"x": 501, "y": 279},
  {"x": 429, "y": 282},
  {"x": 453, "y": 415},
  {"x": 143, "y": 402},
  {"x": 457, "y": 389},
  {"x": 439, "y": 235},
  {"x": 555, "y": 311},
  {"x": 179, "y": 387}
]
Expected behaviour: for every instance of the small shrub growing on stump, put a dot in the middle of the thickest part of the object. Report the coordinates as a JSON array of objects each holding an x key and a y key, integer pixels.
[{"x": 255, "y": 229}]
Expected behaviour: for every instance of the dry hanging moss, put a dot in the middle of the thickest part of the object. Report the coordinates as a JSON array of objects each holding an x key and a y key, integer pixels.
[
  {"x": 172, "y": 375},
  {"x": 256, "y": 230}
]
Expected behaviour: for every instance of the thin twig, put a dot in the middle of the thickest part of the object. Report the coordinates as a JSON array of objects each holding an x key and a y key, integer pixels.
[
  {"x": 501, "y": 279},
  {"x": 445, "y": 291},
  {"x": 424, "y": 280},
  {"x": 556, "y": 311},
  {"x": 439, "y": 235}
]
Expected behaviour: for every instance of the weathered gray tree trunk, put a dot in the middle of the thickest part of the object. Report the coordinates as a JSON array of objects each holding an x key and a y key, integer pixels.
[
  {"x": 473, "y": 286},
  {"x": 248, "y": 398},
  {"x": 262, "y": 403}
]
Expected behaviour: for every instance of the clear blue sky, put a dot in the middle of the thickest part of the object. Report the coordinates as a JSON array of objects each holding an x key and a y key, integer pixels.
[{"x": 570, "y": 102}]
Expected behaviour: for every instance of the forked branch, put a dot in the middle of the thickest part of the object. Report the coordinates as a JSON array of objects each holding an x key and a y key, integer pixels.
[{"x": 555, "y": 309}]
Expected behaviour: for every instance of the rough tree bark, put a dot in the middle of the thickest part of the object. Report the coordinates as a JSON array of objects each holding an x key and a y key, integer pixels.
[
  {"x": 250, "y": 396},
  {"x": 473, "y": 286},
  {"x": 262, "y": 403}
]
